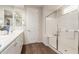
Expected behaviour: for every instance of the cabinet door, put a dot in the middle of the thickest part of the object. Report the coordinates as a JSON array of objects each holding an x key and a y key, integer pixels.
[
  {"x": 51, "y": 30},
  {"x": 19, "y": 45},
  {"x": 15, "y": 47},
  {"x": 11, "y": 49},
  {"x": 68, "y": 39}
]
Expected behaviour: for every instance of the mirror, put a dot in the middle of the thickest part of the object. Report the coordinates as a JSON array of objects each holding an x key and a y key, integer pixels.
[
  {"x": 6, "y": 21},
  {"x": 18, "y": 19},
  {"x": 11, "y": 18},
  {"x": 1, "y": 18}
]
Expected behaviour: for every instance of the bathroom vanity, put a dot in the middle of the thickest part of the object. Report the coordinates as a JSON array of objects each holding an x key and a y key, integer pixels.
[
  {"x": 11, "y": 43},
  {"x": 11, "y": 30}
]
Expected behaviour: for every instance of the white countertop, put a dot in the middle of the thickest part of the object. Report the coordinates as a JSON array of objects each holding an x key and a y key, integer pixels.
[{"x": 8, "y": 39}]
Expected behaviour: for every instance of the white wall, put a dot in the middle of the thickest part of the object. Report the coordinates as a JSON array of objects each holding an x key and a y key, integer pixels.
[{"x": 37, "y": 23}]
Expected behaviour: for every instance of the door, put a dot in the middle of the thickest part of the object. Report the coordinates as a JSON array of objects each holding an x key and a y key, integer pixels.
[
  {"x": 68, "y": 39},
  {"x": 51, "y": 30},
  {"x": 32, "y": 25}
]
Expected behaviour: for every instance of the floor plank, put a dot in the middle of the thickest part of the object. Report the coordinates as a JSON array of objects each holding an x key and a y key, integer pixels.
[{"x": 37, "y": 48}]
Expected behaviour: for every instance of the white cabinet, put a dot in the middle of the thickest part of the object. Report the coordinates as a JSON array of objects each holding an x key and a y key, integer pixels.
[
  {"x": 19, "y": 41},
  {"x": 10, "y": 49},
  {"x": 15, "y": 47}
]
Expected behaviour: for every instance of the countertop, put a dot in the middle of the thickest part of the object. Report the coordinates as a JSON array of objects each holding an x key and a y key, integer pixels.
[{"x": 6, "y": 40}]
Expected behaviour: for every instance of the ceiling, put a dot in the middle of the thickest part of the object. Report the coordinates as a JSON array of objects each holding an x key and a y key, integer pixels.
[
  {"x": 48, "y": 6},
  {"x": 19, "y": 6}
]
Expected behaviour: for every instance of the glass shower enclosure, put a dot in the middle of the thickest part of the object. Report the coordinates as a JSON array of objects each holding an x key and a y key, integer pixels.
[{"x": 62, "y": 29}]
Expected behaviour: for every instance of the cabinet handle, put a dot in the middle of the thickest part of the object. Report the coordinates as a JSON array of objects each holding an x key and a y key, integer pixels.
[
  {"x": 15, "y": 44},
  {"x": 65, "y": 50}
]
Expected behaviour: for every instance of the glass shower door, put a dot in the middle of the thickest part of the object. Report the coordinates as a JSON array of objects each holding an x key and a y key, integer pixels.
[
  {"x": 51, "y": 30},
  {"x": 68, "y": 38}
]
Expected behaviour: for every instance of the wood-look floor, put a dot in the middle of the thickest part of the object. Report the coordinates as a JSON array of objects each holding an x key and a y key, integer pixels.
[{"x": 37, "y": 48}]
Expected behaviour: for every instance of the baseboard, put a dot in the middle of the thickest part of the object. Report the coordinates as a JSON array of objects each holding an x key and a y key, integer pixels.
[{"x": 33, "y": 43}]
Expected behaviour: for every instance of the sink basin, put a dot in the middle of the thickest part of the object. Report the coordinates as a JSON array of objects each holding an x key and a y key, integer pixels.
[{"x": 3, "y": 32}]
